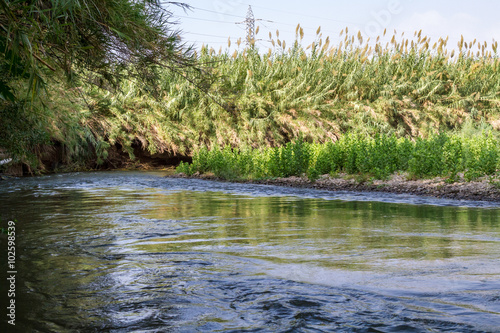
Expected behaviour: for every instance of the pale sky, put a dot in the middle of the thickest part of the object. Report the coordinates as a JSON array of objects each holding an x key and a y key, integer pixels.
[{"x": 213, "y": 21}]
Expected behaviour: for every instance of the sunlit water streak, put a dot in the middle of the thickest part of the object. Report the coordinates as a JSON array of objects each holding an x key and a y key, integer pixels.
[{"x": 125, "y": 252}]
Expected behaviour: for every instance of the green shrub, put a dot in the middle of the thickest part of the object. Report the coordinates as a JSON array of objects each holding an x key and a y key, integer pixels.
[
  {"x": 377, "y": 157},
  {"x": 426, "y": 160},
  {"x": 453, "y": 161},
  {"x": 480, "y": 155}
]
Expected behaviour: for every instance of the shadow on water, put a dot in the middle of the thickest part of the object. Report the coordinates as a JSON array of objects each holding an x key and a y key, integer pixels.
[{"x": 123, "y": 252}]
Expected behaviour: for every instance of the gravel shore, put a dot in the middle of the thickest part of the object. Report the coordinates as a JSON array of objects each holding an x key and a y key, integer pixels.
[{"x": 483, "y": 189}]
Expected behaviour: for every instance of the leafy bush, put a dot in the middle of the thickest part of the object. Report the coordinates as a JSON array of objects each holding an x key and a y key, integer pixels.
[
  {"x": 379, "y": 157},
  {"x": 480, "y": 156},
  {"x": 427, "y": 156}
]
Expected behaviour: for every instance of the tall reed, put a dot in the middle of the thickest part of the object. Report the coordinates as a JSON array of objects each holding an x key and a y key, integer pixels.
[{"x": 320, "y": 92}]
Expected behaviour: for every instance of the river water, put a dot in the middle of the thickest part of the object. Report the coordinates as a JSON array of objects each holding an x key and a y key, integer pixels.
[{"x": 137, "y": 252}]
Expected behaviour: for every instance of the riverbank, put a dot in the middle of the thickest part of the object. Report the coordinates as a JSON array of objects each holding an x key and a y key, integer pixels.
[
  {"x": 486, "y": 188},
  {"x": 482, "y": 189}
]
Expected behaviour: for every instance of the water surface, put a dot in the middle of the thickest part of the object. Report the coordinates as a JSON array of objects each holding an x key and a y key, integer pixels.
[{"x": 122, "y": 252}]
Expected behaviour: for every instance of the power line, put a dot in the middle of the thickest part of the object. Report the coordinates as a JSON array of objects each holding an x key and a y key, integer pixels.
[
  {"x": 247, "y": 21},
  {"x": 201, "y": 19},
  {"x": 302, "y": 15},
  {"x": 329, "y": 19},
  {"x": 216, "y": 12},
  {"x": 250, "y": 23},
  {"x": 279, "y": 11},
  {"x": 198, "y": 34},
  {"x": 204, "y": 42}
]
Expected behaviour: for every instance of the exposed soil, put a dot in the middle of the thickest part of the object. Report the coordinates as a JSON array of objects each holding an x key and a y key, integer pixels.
[
  {"x": 52, "y": 160},
  {"x": 484, "y": 189}
]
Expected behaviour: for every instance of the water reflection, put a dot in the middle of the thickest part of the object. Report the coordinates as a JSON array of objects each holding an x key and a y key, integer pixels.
[{"x": 125, "y": 253}]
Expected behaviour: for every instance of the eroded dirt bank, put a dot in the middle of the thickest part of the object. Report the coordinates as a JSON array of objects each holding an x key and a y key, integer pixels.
[{"x": 53, "y": 159}]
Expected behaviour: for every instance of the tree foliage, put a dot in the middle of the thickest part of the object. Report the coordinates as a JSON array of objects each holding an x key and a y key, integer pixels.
[
  {"x": 107, "y": 39},
  {"x": 44, "y": 43}
]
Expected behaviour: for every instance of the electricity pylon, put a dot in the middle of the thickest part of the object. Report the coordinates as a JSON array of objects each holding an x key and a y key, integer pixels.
[{"x": 250, "y": 24}]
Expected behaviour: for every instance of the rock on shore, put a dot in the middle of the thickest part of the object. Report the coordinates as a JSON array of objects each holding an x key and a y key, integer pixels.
[{"x": 483, "y": 189}]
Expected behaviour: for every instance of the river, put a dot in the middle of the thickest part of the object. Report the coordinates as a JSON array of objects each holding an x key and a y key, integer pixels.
[{"x": 138, "y": 252}]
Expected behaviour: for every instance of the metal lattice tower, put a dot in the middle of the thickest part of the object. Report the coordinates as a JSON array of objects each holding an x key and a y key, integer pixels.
[{"x": 250, "y": 27}]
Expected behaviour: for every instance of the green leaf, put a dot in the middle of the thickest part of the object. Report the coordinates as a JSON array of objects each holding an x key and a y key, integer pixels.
[{"x": 6, "y": 92}]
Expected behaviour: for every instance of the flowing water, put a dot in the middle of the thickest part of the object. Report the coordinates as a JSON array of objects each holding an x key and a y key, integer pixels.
[{"x": 137, "y": 252}]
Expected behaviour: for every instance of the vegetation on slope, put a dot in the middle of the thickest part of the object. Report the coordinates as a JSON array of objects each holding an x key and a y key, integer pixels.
[{"x": 403, "y": 90}]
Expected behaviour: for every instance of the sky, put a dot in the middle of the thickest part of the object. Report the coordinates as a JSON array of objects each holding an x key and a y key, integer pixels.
[{"x": 212, "y": 22}]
